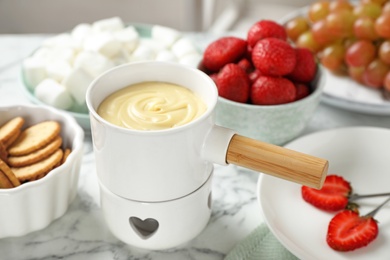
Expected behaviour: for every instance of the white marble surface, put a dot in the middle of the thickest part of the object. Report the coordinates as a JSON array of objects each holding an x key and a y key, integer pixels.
[{"x": 82, "y": 233}]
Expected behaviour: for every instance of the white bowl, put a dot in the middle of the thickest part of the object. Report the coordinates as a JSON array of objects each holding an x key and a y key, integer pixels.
[
  {"x": 275, "y": 124},
  {"x": 34, "y": 205}
]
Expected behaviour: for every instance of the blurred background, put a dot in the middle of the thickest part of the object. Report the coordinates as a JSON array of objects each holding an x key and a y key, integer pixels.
[{"x": 55, "y": 16}]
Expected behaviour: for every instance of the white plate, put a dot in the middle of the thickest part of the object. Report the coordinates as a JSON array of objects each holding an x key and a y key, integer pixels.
[
  {"x": 362, "y": 156},
  {"x": 345, "y": 93}
]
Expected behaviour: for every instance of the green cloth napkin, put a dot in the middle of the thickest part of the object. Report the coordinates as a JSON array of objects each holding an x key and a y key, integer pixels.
[{"x": 260, "y": 244}]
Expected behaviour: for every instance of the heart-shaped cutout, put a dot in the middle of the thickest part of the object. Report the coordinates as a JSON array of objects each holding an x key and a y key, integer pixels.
[{"x": 144, "y": 228}]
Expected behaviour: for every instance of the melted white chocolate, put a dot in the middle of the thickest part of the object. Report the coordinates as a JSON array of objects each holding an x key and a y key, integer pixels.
[{"x": 151, "y": 106}]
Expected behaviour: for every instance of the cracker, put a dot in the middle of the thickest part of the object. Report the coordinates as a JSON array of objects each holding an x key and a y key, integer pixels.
[
  {"x": 34, "y": 138},
  {"x": 12, "y": 139},
  {"x": 31, "y": 172},
  {"x": 66, "y": 154},
  {"x": 5, "y": 183},
  {"x": 8, "y": 129},
  {"x": 40, "y": 176},
  {"x": 9, "y": 174},
  {"x": 3, "y": 152},
  {"x": 38, "y": 155}
]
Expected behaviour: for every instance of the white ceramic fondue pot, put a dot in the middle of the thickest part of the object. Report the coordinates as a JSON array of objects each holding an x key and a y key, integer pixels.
[{"x": 147, "y": 178}]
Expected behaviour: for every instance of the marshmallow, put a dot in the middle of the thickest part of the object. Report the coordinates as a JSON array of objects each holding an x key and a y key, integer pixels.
[
  {"x": 56, "y": 53},
  {"x": 52, "y": 93},
  {"x": 42, "y": 53},
  {"x": 105, "y": 43},
  {"x": 74, "y": 59},
  {"x": 166, "y": 55},
  {"x": 143, "y": 52},
  {"x": 154, "y": 45},
  {"x": 108, "y": 25},
  {"x": 58, "y": 70},
  {"x": 165, "y": 35},
  {"x": 93, "y": 63},
  {"x": 182, "y": 47},
  {"x": 124, "y": 56},
  {"x": 79, "y": 33},
  {"x": 129, "y": 37},
  {"x": 63, "y": 40},
  {"x": 77, "y": 83},
  {"x": 65, "y": 54},
  {"x": 34, "y": 71},
  {"x": 192, "y": 60}
]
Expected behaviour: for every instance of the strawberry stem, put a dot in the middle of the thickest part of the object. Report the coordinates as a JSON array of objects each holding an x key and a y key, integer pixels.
[
  {"x": 355, "y": 196},
  {"x": 374, "y": 211}
]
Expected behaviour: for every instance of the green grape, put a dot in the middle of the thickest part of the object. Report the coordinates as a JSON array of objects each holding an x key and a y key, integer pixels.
[
  {"x": 364, "y": 28},
  {"x": 338, "y": 5},
  {"x": 375, "y": 73},
  {"x": 296, "y": 27},
  {"x": 351, "y": 37},
  {"x": 356, "y": 73},
  {"x": 380, "y": 2},
  {"x": 349, "y": 41},
  {"x": 318, "y": 10},
  {"x": 332, "y": 56},
  {"x": 321, "y": 34},
  {"x": 361, "y": 53},
  {"x": 386, "y": 81},
  {"x": 386, "y": 8},
  {"x": 340, "y": 23},
  {"x": 372, "y": 10},
  {"x": 384, "y": 52},
  {"x": 382, "y": 25},
  {"x": 306, "y": 40}
]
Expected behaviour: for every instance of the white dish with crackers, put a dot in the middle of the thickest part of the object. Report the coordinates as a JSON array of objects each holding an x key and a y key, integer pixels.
[{"x": 40, "y": 158}]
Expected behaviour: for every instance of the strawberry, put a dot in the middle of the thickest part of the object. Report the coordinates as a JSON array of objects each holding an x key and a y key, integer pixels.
[
  {"x": 214, "y": 76},
  {"x": 303, "y": 90},
  {"x": 254, "y": 75},
  {"x": 268, "y": 90},
  {"x": 332, "y": 196},
  {"x": 245, "y": 64},
  {"x": 233, "y": 83},
  {"x": 203, "y": 68},
  {"x": 348, "y": 231},
  {"x": 222, "y": 51},
  {"x": 305, "y": 67},
  {"x": 265, "y": 29},
  {"x": 274, "y": 57}
]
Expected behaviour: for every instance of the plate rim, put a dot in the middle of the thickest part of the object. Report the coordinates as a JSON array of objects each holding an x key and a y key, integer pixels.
[{"x": 363, "y": 108}]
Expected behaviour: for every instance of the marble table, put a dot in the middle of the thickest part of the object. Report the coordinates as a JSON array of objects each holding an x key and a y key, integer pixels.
[{"x": 81, "y": 233}]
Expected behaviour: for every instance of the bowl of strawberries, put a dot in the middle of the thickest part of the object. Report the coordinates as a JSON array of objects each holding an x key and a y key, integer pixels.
[{"x": 268, "y": 88}]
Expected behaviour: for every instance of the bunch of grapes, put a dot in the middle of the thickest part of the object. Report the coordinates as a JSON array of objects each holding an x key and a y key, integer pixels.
[{"x": 351, "y": 38}]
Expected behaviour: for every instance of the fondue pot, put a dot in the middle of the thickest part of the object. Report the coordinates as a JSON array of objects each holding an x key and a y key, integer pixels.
[{"x": 156, "y": 185}]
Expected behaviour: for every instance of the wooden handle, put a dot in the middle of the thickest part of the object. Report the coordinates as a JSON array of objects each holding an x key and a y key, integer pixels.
[{"x": 277, "y": 161}]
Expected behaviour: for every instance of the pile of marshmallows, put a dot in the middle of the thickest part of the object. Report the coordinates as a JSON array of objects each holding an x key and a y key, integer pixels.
[{"x": 61, "y": 70}]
